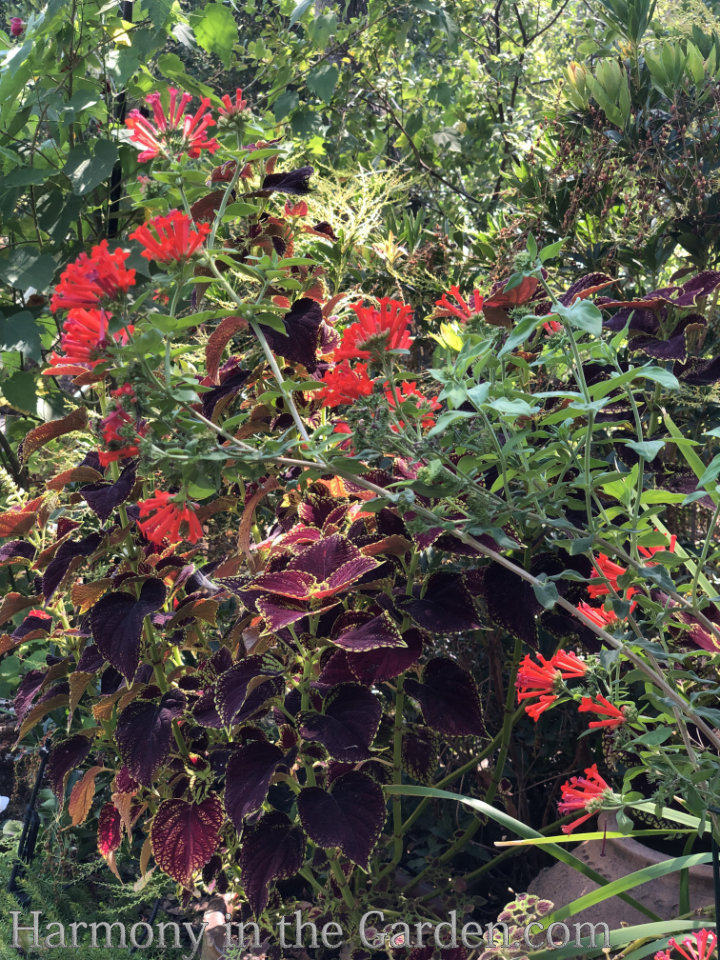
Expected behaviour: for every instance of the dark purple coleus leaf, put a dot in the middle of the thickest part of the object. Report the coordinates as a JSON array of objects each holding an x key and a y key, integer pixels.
[
  {"x": 184, "y": 836},
  {"x": 124, "y": 782},
  {"x": 511, "y": 603},
  {"x": 699, "y": 373},
  {"x": 336, "y": 670},
  {"x": 144, "y": 734},
  {"x": 272, "y": 850},
  {"x": 446, "y": 606},
  {"x": 376, "y": 666},
  {"x": 299, "y": 342},
  {"x": 230, "y": 386},
  {"x": 205, "y": 712},
  {"x": 292, "y": 181},
  {"x": 349, "y": 816},
  {"x": 233, "y": 702},
  {"x": 16, "y": 550},
  {"x": 375, "y": 633},
  {"x": 285, "y": 583},
  {"x": 347, "y": 725},
  {"x": 675, "y": 347},
  {"x": 591, "y": 282},
  {"x": 247, "y": 779},
  {"x": 448, "y": 698},
  {"x": 26, "y": 692},
  {"x": 37, "y": 623},
  {"x": 66, "y": 756},
  {"x": 60, "y": 563},
  {"x": 699, "y": 286},
  {"x": 279, "y": 613},
  {"x": 90, "y": 660},
  {"x": 116, "y": 621},
  {"x": 109, "y": 829},
  {"x": 103, "y": 498},
  {"x": 334, "y": 561},
  {"x": 420, "y": 752}
]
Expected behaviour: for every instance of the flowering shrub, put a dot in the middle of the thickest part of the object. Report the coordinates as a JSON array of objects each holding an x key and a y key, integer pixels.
[{"x": 251, "y": 600}]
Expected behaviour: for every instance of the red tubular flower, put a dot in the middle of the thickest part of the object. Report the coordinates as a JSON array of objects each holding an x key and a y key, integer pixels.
[
  {"x": 84, "y": 341},
  {"x": 298, "y": 209},
  {"x": 552, "y": 326},
  {"x": 344, "y": 384},
  {"x": 174, "y": 237},
  {"x": 165, "y": 519},
  {"x": 698, "y": 945},
  {"x": 615, "y": 715},
  {"x": 92, "y": 281},
  {"x": 611, "y": 571},
  {"x": 121, "y": 441},
  {"x": 174, "y": 133},
  {"x": 425, "y": 404},
  {"x": 376, "y": 330},
  {"x": 541, "y": 681},
  {"x": 649, "y": 552},
  {"x": 583, "y": 793},
  {"x": 599, "y": 616},
  {"x": 461, "y": 308},
  {"x": 230, "y": 109}
]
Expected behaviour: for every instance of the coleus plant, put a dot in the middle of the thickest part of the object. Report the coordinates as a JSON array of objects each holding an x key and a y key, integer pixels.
[
  {"x": 248, "y": 576},
  {"x": 235, "y": 705}
]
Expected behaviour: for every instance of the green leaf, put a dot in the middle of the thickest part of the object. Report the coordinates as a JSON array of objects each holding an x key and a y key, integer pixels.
[
  {"x": 322, "y": 80},
  {"x": 581, "y": 314},
  {"x": 300, "y": 10},
  {"x": 26, "y": 176},
  {"x": 512, "y": 408},
  {"x": 87, "y": 169},
  {"x": 647, "y": 449},
  {"x": 20, "y": 332},
  {"x": 659, "y": 375},
  {"x": 20, "y": 391},
  {"x": 551, "y": 250},
  {"x": 285, "y": 104},
  {"x": 27, "y": 267},
  {"x": 546, "y": 594},
  {"x": 711, "y": 473},
  {"x": 520, "y": 332},
  {"x": 216, "y": 31}
]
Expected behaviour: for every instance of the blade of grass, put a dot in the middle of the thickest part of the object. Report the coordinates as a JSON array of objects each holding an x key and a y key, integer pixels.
[{"x": 519, "y": 828}]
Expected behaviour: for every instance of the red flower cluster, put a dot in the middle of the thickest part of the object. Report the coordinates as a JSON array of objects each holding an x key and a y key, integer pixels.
[
  {"x": 345, "y": 384},
  {"x": 461, "y": 308},
  {"x": 230, "y": 109},
  {"x": 407, "y": 391},
  {"x": 84, "y": 342},
  {"x": 17, "y": 26},
  {"x": 94, "y": 280},
  {"x": 541, "y": 681},
  {"x": 376, "y": 331},
  {"x": 166, "y": 517},
  {"x": 583, "y": 793},
  {"x": 174, "y": 133},
  {"x": 174, "y": 237},
  {"x": 120, "y": 439},
  {"x": 698, "y": 945},
  {"x": 85, "y": 288},
  {"x": 611, "y": 572}
]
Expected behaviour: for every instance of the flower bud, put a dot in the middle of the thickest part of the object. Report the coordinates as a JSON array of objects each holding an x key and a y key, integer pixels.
[{"x": 17, "y": 26}]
